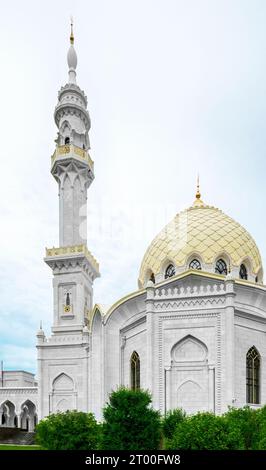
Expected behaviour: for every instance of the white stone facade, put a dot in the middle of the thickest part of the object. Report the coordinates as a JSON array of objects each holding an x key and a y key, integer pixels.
[
  {"x": 192, "y": 335},
  {"x": 191, "y": 332}
]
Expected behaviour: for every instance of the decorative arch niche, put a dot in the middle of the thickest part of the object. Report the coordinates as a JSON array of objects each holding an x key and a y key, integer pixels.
[
  {"x": 63, "y": 405},
  {"x": 63, "y": 382},
  {"x": 189, "y": 349},
  {"x": 188, "y": 384},
  {"x": 64, "y": 396}
]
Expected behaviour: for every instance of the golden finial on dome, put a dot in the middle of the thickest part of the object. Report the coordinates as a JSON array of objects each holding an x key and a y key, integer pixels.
[
  {"x": 71, "y": 34},
  {"x": 198, "y": 201},
  {"x": 198, "y": 190}
]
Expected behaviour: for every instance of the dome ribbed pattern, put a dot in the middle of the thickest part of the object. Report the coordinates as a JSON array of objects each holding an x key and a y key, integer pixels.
[{"x": 202, "y": 230}]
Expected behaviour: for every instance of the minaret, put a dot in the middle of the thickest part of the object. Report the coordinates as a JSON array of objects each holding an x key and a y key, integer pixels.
[{"x": 73, "y": 266}]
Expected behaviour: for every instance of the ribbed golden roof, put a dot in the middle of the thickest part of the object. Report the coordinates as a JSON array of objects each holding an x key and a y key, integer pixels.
[{"x": 204, "y": 231}]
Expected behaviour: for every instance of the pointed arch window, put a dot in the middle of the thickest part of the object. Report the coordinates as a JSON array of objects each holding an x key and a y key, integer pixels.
[
  {"x": 67, "y": 140},
  {"x": 135, "y": 371},
  {"x": 243, "y": 274},
  {"x": 253, "y": 376},
  {"x": 221, "y": 267},
  {"x": 195, "y": 264},
  {"x": 170, "y": 271},
  {"x": 67, "y": 299}
]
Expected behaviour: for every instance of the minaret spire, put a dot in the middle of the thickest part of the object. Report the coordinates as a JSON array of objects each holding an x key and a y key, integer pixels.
[
  {"x": 71, "y": 33},
  {"x": 198, "y": 202},
  {"x": 72, "y": 59},
  {"x": 198, "y": 195}
]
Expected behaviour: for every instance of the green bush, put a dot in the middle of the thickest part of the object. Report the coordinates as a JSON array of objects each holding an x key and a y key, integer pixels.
[
  {"x": 170, "y": 422},
  {"x": 71, "y": 430},
  {"x": 245, "y": 421},
  {"x": 261, "y": 419},
  {"x": 129, "y": 422},
  {"x": 205, "y": 431}
]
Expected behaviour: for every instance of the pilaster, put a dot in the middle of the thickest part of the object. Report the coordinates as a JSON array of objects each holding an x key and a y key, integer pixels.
[
  {"x": 228, "y": 349},
  {"x": 150, "y": 334}
]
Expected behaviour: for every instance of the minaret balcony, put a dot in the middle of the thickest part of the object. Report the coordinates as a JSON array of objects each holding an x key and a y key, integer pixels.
[
  {"x": 69, "y": 254},
  {"x": 72, "y": 151}
]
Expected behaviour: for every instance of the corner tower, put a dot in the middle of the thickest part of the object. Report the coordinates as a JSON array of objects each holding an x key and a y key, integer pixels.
[{"x": 73, "y": 266}]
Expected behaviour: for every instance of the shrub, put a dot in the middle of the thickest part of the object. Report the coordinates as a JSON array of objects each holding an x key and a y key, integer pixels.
[
  {"x": 261, "y": 419},
  {"x": 170, "y": 422},
  {"x": 71, "y": 430},
  {"x": 129, "y": 422},
  {"x": 205, "y": 431},
  {"x": 246, "y": 422}
]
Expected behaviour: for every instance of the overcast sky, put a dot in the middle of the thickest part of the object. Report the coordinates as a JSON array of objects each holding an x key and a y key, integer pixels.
[{"x": 174, "y": 87}]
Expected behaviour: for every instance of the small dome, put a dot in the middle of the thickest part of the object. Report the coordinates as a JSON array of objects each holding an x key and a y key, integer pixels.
[
  {"x": 72, "y": 59},
  {"x": 205, "y": 233}
]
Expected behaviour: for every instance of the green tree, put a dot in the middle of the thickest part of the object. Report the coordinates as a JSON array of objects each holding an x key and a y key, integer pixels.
[
  {"x": 245, "y": 421},
  {"x": 71, "y": 430},
  {"x": 130, "y": 423},
  {"x": 205, "y": 431},
  {"x": 171, "y": 420}
]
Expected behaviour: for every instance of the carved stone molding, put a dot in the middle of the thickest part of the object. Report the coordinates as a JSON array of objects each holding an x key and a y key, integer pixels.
[
  {"x": 199, "y": 302},
  {"x": 8, "y": 391}
]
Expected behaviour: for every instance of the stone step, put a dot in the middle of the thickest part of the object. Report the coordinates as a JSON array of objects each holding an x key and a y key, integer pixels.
[{"x": 16, "y": 436}]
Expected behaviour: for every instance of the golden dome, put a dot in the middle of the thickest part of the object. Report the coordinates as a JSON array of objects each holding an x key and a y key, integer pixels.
[{"x": 205, "y": 233}]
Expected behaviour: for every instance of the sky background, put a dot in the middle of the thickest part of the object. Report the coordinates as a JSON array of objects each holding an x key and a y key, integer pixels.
[{"x": 174, "y": 88}]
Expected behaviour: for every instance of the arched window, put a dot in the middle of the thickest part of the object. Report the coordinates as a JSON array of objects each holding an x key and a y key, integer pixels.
[
  {"x": 67, "y": 299},
  {"x": 152, "y": 278},
  {"x": 67, "y": 140},
  {"x": 170, "y": 271},
  {"x": 221, "y": 267},
  {"x": 253, "y": 376},
  {"x": 243, "y": 274},
  {"x": 195, "y": 264},
  {"x": 256, "y": 279},
  {"x": 135, "y": 371}
]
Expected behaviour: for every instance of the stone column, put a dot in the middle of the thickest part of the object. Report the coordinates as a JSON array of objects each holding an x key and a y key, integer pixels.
[
  {"x": 123, "y": 340},
  {"x": 228, "y": 353},
  {"x": 19, "y": 420},
  {"x": 150, "y": 335},
  {"x": 211, "y": 380},
  {"x": 85, "y": 367},
  {"x": 167, "y": 389},
  {"x": 40, "y": 341}
]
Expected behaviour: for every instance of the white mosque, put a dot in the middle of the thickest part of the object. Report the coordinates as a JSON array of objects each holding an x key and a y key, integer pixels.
[{"x": 194, "y": 333}]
